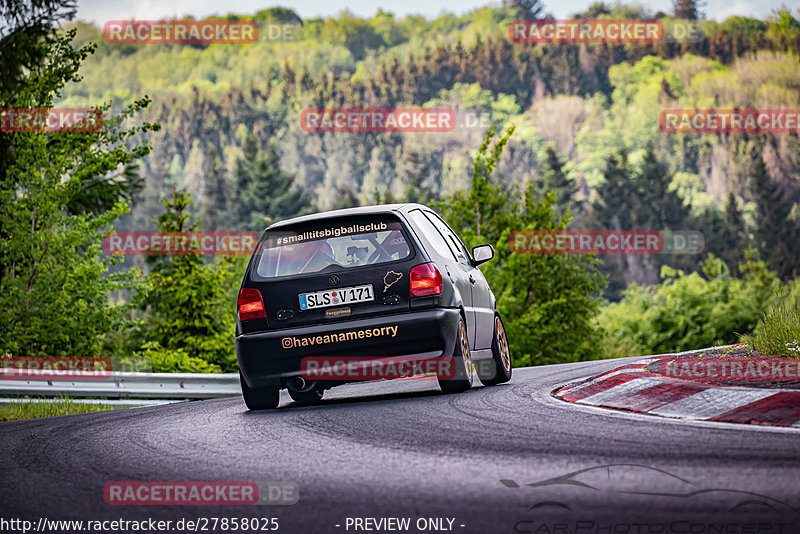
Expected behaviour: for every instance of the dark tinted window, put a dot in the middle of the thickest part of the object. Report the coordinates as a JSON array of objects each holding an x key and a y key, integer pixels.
[
  {"x": 331, "y": 246},
  {"x": 455, "y": 244},
  {"x": 431, "y": 233}
]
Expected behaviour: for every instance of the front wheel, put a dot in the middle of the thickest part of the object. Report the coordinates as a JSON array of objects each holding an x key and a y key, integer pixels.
[
  {"x": 260, "y": 398},
  {"x": 497, "y": 369},
  {"x": 460, "y": 378}
]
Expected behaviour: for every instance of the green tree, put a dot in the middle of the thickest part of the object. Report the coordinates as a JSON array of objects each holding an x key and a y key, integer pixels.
[
  {"x": 612, "y": 209},
  {"x": 263, "y": 193},
  {"x": 658, "y": 206},
  {"x": 190, "y": 312},
  {"x": 554, "y": 179},
  {"x": 774, "y": 229},
  {"x": 687, "y": 9},
  {"x": 54, "y": 287},
  {"x": 416, "y": 172},
  {"x": 215, "y": 206},
  {"x": 733, "y": 235},
  {"x": 547, "y": 301},
  {"x": 528, "y": 9}
]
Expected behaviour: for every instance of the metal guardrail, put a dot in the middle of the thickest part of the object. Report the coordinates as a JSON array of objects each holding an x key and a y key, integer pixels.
[{"x": 123, "y": 385}]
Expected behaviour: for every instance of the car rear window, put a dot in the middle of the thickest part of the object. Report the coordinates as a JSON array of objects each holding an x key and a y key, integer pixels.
[{"x": 330, "y": 246}]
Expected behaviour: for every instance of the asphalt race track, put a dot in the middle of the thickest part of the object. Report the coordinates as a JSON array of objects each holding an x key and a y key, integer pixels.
[{"x": 403, "y": 449}]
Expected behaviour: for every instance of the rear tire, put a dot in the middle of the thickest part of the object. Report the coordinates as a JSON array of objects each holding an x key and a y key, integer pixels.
[
  {"x": 496, "y": 370},
  {"x": 307, "y": 397},
  {"x": 265, "y": 398},
  {"x": 461, "y": 379}
]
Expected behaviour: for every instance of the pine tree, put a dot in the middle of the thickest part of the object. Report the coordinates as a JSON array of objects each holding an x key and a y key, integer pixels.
[
  {"x": 263, "y": 193},
  {"x": 528, "y": 9},
  {"x": 555, "y": 180},
  {"x": 687, "y": 9},
  {"x": 213, "y": 210},
  {"x": 658, "y": 207},
  {"x": 733, "y": 235},
  {"x": 774, "y": 229},
  {"x": 613, "y": 207},
  {"x": 416, "y": 174},
  {"x": 612, "y": 211},
  {"x": 188, "y": 323}
]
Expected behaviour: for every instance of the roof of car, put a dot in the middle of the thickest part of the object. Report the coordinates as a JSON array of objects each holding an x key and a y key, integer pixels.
[{"x": 361, "y": 210}]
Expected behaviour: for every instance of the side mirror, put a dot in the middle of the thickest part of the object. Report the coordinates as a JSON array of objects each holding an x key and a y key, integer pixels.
[{"x": 482, "y": 254}]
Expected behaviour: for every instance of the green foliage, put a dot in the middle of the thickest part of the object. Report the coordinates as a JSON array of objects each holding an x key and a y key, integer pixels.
[
  {"x": 686, "y": 9},
  {"x": 277, "y": 14},
  {"x": 637, "y": 198},
  {"x": 733, "y": 235},
  {"x": 174, "y": 360},
  {"x": 231, "y": 116},
  {"x": 262, "y": 193},
  {"x": 778, "y": 331},
  {"x": 775, "y": 230},
  {"x": 547, "y": 301},
  {"x": 555, "y": 180},
  {"x": 687, "y": 311},
  {"x": 54, "y": 287},
  {"x": 188, "y": 302}
]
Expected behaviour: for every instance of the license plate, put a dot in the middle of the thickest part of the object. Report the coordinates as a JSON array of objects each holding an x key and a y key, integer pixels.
[{"x": 336, "y": 297}]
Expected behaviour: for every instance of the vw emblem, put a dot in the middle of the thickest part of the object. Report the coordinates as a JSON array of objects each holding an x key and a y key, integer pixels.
[{"x": 333, "y": 279}]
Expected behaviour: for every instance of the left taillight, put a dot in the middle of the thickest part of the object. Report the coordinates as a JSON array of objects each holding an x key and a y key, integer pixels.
[{"x": 251, "y": 305}]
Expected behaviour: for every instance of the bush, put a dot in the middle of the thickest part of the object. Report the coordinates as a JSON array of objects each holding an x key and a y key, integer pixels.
[
  {"x": 175, "y": 360},
  {"x": 778, "y": 331},
  {"x": 688, "y": 311}
]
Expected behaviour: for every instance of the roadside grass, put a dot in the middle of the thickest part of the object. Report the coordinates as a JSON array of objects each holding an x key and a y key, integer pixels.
[
  {"x": 29, "y": 409},
  {"x": 778, "y": 332}
]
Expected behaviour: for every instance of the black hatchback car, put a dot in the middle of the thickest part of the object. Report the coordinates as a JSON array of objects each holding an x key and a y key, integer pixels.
[{"x": 369, "y": 288}]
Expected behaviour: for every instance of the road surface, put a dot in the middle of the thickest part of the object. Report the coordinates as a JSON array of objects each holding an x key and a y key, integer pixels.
[{"x": 446, "y": 463}]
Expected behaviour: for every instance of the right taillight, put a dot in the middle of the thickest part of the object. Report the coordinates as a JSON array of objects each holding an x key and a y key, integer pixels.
[
  {"x": 425, "y": 280},
  {"x": 251, "y": 305}
]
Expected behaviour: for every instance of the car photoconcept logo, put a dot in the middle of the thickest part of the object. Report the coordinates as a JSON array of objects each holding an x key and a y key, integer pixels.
[
  {"x": 614, "y": 483},
  {"x": 333, "y": 279}
]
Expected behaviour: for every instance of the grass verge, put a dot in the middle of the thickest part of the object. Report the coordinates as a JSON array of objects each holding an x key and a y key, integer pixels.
[
  {"x": 33, "y": 410},
  {"x": 778, "y": 331}
]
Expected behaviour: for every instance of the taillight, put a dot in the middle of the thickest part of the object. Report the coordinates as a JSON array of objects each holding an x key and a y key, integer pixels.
[
  {"x": 250, "y": 305},
  {"x": 425, "y": 280}
]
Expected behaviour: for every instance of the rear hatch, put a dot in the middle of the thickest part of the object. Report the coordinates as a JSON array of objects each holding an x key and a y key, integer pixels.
[{"x": 331, "y": 270}]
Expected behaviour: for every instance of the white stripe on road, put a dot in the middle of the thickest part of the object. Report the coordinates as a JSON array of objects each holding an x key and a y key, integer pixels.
[
  {"x": 625, "y": 389},
  {"x": 712, "y": 402},
  {"x": 600, "y": 378}
]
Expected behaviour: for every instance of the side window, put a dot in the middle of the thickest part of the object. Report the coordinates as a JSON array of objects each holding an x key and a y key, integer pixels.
[
  {"x": 455, "y": 243},
  {"x": 431, "y": 234}
]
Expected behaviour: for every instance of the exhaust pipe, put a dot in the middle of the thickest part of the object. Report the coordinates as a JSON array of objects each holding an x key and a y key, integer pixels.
[{"x": 299, "y": 384}]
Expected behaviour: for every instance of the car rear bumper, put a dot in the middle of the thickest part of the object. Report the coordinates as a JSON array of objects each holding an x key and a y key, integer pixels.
[{"x": 265, "y": 358}]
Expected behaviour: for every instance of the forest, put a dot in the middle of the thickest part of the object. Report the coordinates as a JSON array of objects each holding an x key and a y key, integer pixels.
[{"x": 586, "y": 151}]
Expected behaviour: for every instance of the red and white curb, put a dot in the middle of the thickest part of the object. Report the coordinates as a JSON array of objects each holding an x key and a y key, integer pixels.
[{"x": 634, "y": 389}]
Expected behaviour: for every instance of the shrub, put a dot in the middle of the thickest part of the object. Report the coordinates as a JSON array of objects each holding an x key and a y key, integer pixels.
[
  {"x": 688, "y": 311},
  {"x": 175, "y": 360},
  {"x": 778, "y": 331}
]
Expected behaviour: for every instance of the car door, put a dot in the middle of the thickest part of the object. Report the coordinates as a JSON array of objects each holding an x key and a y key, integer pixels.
[
  {"x": 482, "y": 297},
  {"x": 454, "y": 270}
]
